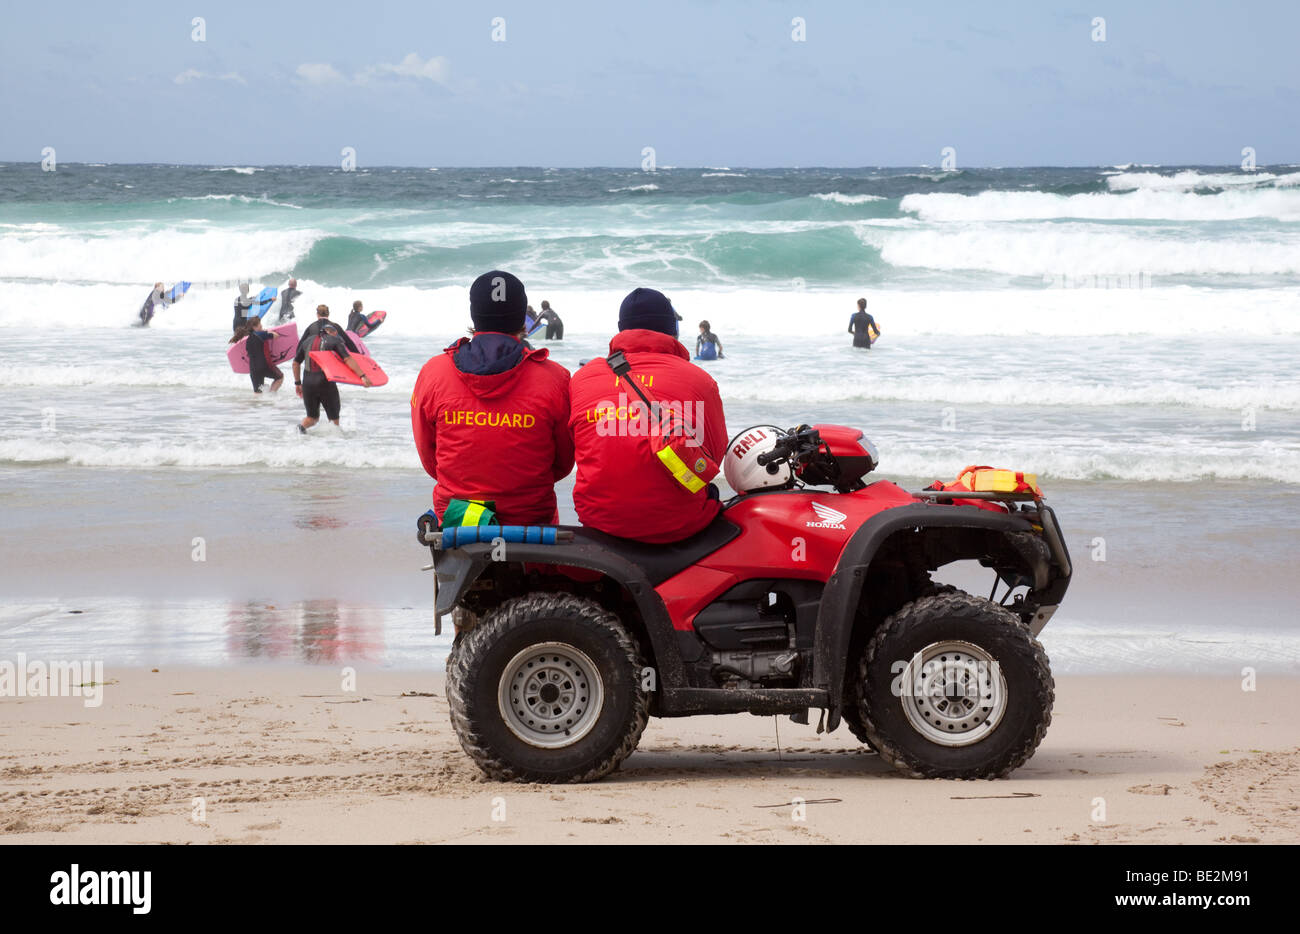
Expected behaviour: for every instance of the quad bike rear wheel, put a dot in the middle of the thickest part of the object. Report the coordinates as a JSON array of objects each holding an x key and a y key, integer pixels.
[
  {"x": 954, "y": 686},
  {"x": 547, "y": 688}
]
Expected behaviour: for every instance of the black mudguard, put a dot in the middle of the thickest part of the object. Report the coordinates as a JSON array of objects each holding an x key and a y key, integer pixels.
[
  {"x": 844, "y": 591},
  {"x": 459, "y": 568}
]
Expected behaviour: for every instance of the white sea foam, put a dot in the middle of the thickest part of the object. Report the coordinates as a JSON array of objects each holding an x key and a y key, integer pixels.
[
  {"x": 329, "y": 447},
  {"x": 846, "y": 199},
  {"x": 1144, "y": 204},
  {"x": 142, "y": 254},
  {"x": 1084, "y": 250},
  {"x": 649, "y": 187},
  {"x": 1021, "y": 390},
  {"x": 244, "y": 199},
  {"x": 1190, "y": 180},
  {"x": 442, "y": 312},
  {"x": 237, "y": 169}
]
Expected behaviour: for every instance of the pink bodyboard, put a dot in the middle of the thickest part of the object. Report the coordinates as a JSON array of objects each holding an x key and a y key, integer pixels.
[
  {"x": 361, "y": 345},
  {"x": 282, "y": 347}
]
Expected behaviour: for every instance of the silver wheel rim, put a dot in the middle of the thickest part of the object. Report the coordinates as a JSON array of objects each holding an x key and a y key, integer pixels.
[
  {"x": 953, "y": 693},
  {"x": 551, "y": 695}
]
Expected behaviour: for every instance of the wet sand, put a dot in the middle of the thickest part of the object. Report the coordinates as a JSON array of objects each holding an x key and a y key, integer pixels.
[
  {"x": 285, "y": 755},
  {"x": 324, "y": 567}
]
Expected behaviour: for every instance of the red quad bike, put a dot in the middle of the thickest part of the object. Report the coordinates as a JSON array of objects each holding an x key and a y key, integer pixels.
[{"x": 568, "y": 639}]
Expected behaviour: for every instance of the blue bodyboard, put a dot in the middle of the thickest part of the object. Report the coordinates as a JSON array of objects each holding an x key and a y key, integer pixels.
[
  {"x": 262, "y": 304},
  {"x": 176, "y": 292}
]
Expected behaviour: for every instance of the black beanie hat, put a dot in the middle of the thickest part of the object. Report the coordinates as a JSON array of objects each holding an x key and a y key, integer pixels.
[
  {"x": 497, "y": 302},
  {"x": 649, "y": 310}
]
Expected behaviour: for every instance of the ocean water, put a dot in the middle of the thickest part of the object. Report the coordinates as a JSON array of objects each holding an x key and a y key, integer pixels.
[{"x": 1135, "y": 327}]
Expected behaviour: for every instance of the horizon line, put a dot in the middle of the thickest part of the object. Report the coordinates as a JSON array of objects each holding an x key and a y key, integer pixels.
[{"x": 663, "y": 168}]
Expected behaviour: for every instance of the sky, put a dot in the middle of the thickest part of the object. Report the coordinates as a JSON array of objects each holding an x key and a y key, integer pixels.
[{"x": 705, "y": 83}]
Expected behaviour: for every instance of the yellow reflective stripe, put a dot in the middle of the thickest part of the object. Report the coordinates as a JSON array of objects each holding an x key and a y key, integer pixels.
[
  {"x": 473, "y": 512},
  {"x": 681, "y": 473}
]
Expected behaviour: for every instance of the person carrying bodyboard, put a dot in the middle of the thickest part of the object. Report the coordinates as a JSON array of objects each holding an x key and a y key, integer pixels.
[
  {"x": 156, "y": 298},
  {"x": 260, "y": 368},
  {"x": 863, "y": 327},
  {"x": 312, "y": 386}
]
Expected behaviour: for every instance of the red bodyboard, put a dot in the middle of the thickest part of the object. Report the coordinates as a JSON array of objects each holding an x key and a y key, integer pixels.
[
  {"x": 336, "y": 371},
  {"x": 373, "y": 320}
]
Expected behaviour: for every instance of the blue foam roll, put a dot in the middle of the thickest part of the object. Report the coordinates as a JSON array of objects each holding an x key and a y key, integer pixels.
[{"x": 511, "y": 534}]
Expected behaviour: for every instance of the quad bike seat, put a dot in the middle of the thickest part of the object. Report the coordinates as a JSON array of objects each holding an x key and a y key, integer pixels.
[{"x": 661, "y": 562}]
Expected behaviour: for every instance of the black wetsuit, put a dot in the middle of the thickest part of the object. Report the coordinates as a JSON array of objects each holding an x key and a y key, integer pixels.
[
  {"x": 554, "y": 326},
  {"x": 241, "y": 312},
  {"x": 316, "y": 389},
  {"x": 146, "y": 310},
  {"x": 259, "y": 368},
  {"x": 286, "y": 304},
  {"x": 355, "y": 320},
  {"x": 860, "y": 326}
]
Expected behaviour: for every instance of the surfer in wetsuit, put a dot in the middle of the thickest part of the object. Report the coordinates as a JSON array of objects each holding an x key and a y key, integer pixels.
[
  {"x": 554, "y": 326},
  {"x": 707, "y": 345},
  {"x": 260, "y": 367},
  {"x": 312, "y": 387},
  {"x": 861, "y": 326},
  {"x": 356, "y": 318},
  {"x": 242, "y": 305},
  {"x": 286, "y": 301},
  {"x": 155, "y": 299}
]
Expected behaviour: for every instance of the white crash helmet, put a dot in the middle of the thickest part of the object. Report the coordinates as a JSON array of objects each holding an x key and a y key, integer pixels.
[{"x": 741, "y": 466}]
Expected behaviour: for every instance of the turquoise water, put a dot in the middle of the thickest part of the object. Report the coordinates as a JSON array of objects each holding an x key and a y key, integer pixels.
[{"x": 674, "y": 228}]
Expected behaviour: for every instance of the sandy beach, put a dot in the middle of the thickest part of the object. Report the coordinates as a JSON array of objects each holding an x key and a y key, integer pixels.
[{"x": 282, "y": 754}]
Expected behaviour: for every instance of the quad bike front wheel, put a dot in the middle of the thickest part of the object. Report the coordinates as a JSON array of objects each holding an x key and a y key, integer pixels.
[
  {"x": 547, "y": 688},
  {"x": 852, "y": 686},
  {"x": 954, "y": 686}
]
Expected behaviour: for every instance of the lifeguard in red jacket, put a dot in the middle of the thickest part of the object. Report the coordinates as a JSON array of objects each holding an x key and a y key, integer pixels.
[
  {"x": 622, "y": 489},
  {"x": 490, "y": 416}
]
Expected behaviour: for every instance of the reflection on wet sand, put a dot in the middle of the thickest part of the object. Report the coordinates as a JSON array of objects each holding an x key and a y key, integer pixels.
[
  {"x": 324, "y": 631},
  {"x": 324, "y": 512},
  {"x": 313, "y": 631}
]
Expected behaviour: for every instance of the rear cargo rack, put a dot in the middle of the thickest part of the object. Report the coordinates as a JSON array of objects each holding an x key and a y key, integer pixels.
[
  {"x": 1025, "y": 497},
  {"x": 1046, "y": 518}
]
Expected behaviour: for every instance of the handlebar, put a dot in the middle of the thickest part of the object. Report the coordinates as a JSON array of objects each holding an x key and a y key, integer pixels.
[{"x": 795, "y": 445}]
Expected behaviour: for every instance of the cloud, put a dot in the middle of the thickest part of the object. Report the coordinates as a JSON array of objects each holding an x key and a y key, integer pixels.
[
  {"x": 435, "y": 69},
  {"x": 313, "y": 73},
  {"x": 190, "y": 74}
]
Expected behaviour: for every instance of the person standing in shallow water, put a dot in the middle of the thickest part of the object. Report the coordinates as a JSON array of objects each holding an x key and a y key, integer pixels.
[
  {"x": 260, "y": 368},
  {"x": 243, "y": 305},
  {"x": 554, "y": 326},
  {"x": 312, "y": 386},
  {"x": 287, "y": 297},
  {"x": 708, "y": 346},
  {"x": 862, "y": 326},
  {"x": 356, "y": 317},
  {"x": 155, "y": 299}
]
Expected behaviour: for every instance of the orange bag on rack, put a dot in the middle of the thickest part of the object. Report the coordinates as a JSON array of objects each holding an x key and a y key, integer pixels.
[{"x": 982, "y": 479}]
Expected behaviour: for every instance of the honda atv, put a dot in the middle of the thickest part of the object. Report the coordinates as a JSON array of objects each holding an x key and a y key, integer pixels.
[{"x": 792, "y": 599}]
